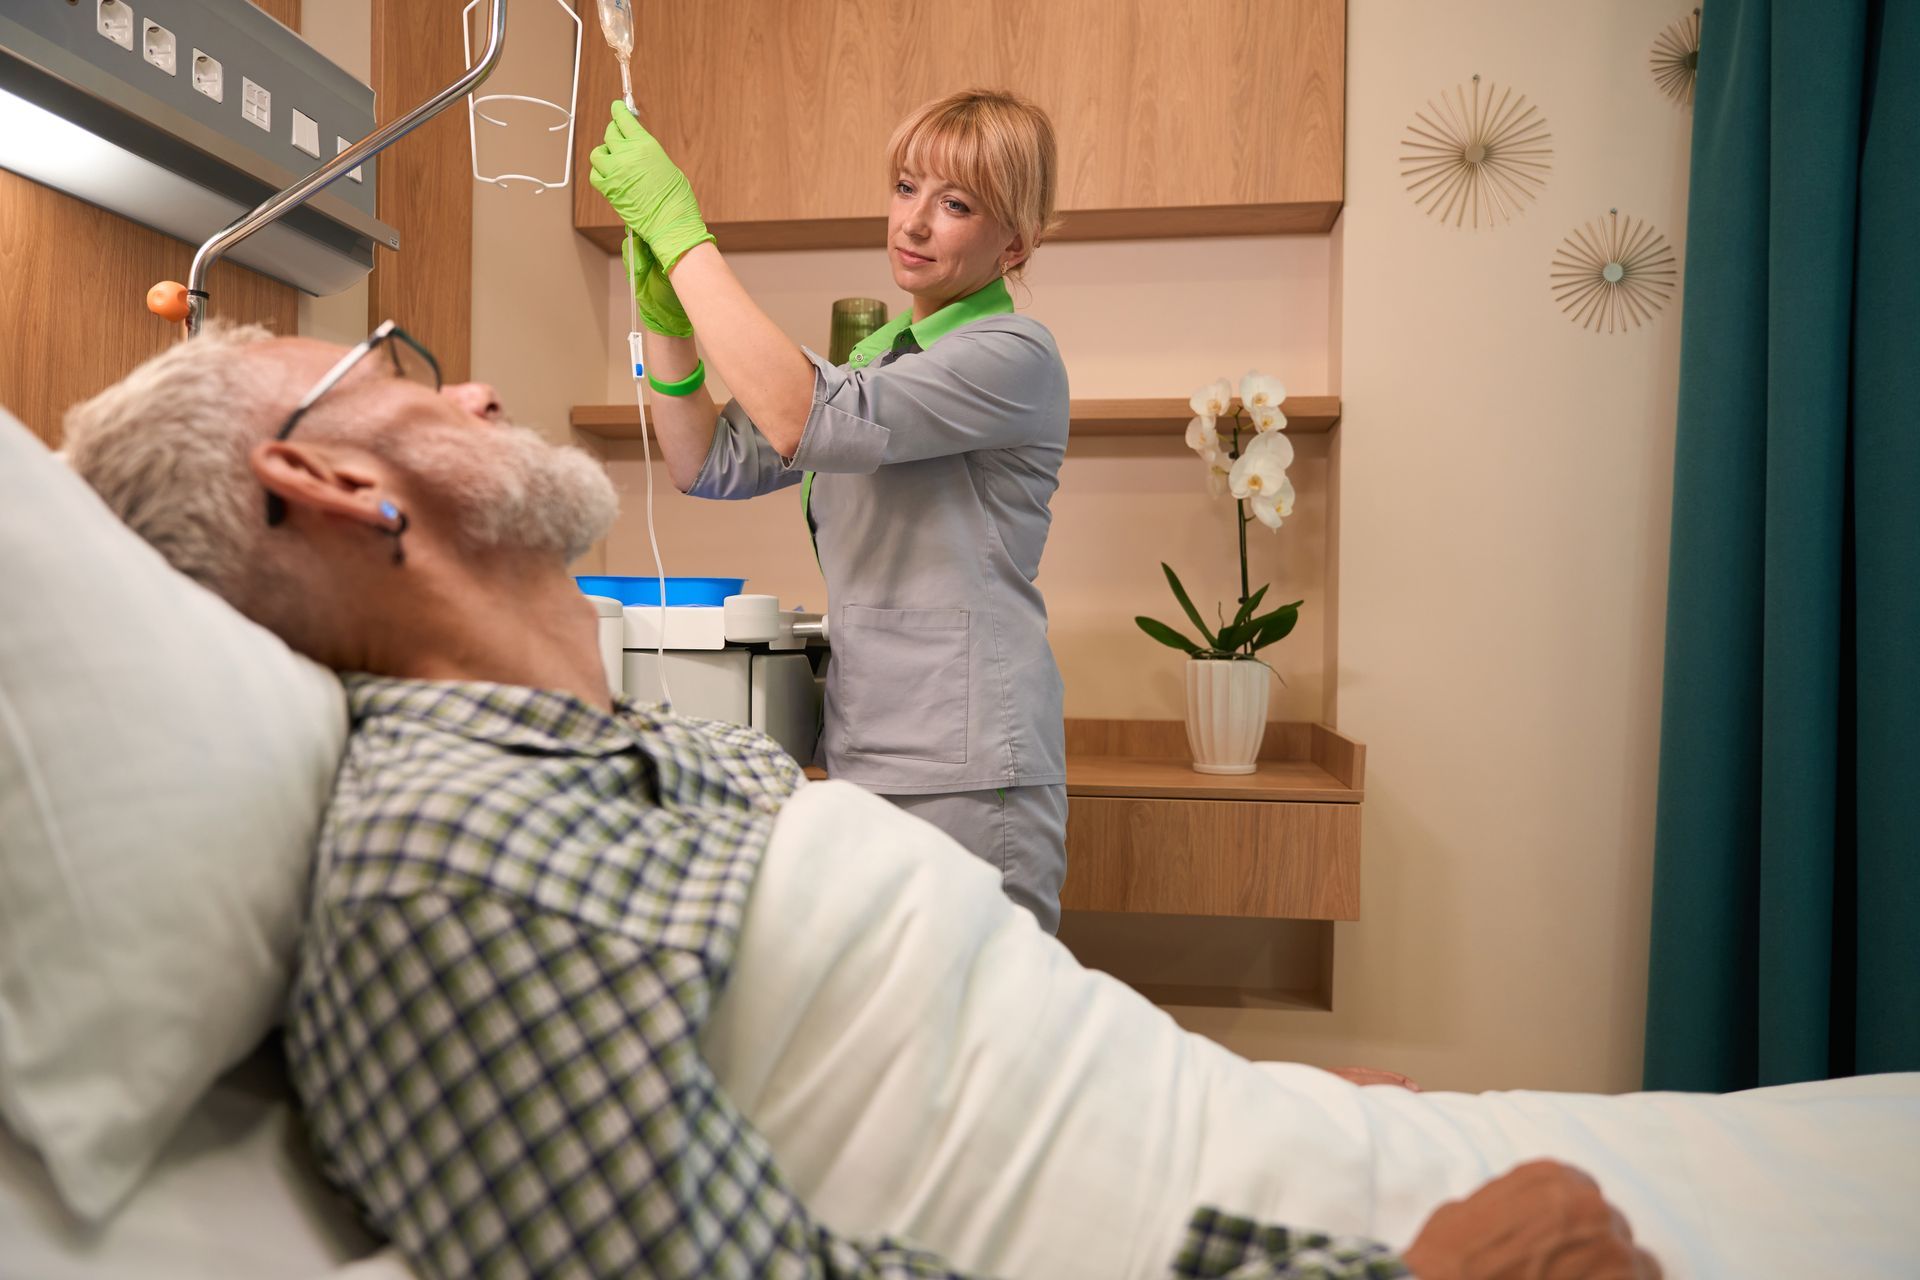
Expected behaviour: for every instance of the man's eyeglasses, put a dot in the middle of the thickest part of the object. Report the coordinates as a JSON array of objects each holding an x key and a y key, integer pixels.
[{"x": 409, "y": 360}]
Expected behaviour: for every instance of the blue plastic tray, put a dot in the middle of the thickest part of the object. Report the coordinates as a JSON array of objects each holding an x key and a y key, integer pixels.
[{"x": 647, "y": 590}]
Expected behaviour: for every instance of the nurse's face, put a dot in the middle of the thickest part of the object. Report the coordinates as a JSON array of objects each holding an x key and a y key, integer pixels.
[{"x": 942, "y": 243}]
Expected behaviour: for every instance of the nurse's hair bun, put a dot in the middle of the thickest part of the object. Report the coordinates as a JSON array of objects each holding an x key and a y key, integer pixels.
[{"x": 992, "y": 143}]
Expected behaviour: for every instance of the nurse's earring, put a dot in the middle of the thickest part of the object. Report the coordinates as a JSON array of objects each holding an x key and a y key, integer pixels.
[{"x": 396, "y": 525}]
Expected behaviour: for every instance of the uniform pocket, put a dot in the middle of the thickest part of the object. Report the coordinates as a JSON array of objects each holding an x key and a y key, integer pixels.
[{"x": 905, "y": 694}]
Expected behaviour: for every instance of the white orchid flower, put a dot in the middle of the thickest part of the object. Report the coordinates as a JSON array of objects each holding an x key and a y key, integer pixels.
[
  {"x": 1268, "y": 417},
  {"x": 1214, "y": 399},
  {"x": 1258, "y": 391},
  {"x": 1203, "y": 437},
  {"x": 1262, "y": 469},
  {"x": 1271, "y": 508},
  {"x": 1219, "y": 465}
]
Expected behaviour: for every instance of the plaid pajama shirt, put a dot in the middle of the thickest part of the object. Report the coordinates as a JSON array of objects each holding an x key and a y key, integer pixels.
[{"x": 524, "y": 910}]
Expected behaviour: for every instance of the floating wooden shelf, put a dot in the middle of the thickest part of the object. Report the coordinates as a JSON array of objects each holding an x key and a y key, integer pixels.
[
  {"x": 598, "y": 223},
  {"x": 1148, "y": 835},
  {"x": 1163, "y": 419}
]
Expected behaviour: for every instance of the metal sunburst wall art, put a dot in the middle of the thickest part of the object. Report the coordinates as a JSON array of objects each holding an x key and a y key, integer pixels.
[
  {"x": 1613, "y": 273},
  {"x": 1676, "y": 59},
  {"x": 1475, "y": 155}
]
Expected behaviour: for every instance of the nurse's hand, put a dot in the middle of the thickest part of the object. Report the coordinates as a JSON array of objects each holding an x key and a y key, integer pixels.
[
  {"x": 659, "y": 305},
  {"x": 647, "y": 189}
]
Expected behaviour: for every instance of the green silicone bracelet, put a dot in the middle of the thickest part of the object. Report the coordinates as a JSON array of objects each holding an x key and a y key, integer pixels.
[{"x": 686, "y": 386}]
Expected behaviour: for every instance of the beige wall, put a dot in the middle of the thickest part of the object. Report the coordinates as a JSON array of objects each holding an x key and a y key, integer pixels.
[{"x": 1503, "y": 537}]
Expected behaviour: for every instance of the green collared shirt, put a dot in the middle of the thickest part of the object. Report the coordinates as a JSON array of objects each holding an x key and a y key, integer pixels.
[{"x": 990, "y": 300}]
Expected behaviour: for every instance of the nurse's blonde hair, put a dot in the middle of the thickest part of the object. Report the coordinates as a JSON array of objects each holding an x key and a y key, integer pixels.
[{"x": 996, "y": 145}]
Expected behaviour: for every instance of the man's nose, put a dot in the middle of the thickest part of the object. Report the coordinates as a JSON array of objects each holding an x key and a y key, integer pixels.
[{"x": 477, "y": 398}]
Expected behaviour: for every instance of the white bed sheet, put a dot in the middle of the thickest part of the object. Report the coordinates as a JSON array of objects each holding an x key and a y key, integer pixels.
[{"x": 927, "y": 1064}]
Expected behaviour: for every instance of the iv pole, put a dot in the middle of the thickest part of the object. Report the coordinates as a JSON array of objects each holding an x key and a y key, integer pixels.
[{"x": 171, "y": 301}]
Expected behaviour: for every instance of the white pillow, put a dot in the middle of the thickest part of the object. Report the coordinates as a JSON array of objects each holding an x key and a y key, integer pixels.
[
  {"x": 163, "y": 767},
  {"x": 235, "y": 1196}
]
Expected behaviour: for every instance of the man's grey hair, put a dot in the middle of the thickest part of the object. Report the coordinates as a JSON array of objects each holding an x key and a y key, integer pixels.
[{"x": 167, "y": 448}]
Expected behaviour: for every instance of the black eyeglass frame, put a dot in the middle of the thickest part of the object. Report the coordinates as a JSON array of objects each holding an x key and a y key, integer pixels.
[{"x": 384, "y": 337}]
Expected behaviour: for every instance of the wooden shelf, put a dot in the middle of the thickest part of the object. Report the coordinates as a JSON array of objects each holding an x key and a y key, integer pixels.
[
  {"x": 599, "y": 224},
  {"x": 1164, "y": 419}
]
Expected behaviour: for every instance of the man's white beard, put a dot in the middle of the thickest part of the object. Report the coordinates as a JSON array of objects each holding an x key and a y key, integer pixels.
[{"x": 512, "y": 489}]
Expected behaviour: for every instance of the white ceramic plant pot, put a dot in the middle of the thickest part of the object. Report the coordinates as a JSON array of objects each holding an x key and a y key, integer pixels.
[{"x": 1226, "y": 713}]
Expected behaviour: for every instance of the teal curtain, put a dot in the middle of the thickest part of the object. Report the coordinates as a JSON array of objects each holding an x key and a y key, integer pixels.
[{"x": 1786, "y": 905}]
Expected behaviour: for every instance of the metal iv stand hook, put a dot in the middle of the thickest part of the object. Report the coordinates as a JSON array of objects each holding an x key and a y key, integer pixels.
[{"x": 173, "y": 301}]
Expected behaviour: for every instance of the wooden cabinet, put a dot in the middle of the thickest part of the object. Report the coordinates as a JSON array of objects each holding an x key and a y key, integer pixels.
[
  {"x": 1175, "y": 117},
  {"x": 1147, "y": 835}
]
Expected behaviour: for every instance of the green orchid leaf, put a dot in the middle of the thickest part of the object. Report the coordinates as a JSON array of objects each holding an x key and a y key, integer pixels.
[
  {"x": 1246, "y": 610},
  {"x": 1180, "y": 594},
  {"x": 1167, "y": 636},
  {"x": 1276, "y": 625},
  {"x": 1239, "y": 633}
]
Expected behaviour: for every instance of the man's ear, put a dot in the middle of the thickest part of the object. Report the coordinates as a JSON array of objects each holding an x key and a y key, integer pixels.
[{"x": 322, "y": 480}]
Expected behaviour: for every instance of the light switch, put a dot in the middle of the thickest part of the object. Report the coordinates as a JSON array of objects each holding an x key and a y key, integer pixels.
[
  {"x": 256, "y": 104},
  {"x": 306, "y": 133},
  {"x": 341, "y": 144}
]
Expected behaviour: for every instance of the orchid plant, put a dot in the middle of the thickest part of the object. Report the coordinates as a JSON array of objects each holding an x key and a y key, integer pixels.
[{"x": 1246, "y": 456}]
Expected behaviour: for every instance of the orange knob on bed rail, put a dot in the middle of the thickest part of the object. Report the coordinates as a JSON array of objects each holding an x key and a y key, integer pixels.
[{"x": 168, "y": 300}]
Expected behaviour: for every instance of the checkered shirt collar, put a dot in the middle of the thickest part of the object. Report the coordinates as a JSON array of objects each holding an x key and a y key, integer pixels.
[{"x": 543, "y": 720}]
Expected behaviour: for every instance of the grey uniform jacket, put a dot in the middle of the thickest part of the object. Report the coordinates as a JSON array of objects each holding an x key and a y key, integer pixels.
[{"x": 934, "y": 471}]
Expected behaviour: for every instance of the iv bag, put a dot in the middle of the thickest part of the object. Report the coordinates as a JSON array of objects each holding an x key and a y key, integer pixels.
[{"x": 616, "y": 24}]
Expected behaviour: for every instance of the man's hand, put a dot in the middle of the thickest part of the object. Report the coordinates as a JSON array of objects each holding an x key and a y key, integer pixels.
[
  {"x": 1373, "y": 1075},
  {"x": 1541, "y": 1221}
]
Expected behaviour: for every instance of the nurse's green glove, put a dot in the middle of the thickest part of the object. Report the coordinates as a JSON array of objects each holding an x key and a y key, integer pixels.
[
  {"x": 653, "y": 294},
  {"x": 647, "y": 189}
]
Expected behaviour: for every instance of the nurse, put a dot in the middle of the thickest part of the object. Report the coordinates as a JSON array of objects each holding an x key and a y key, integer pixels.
[{"x": 926, "y": 463}]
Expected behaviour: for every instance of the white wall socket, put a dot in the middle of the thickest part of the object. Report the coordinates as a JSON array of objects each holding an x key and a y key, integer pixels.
[
  {"x": 114, "y": 20},
  {"x": 207, "y": 78},
  {"x": 157, "y": 46}
]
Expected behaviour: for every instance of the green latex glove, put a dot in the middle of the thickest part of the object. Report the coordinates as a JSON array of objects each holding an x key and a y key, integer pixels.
[
  {"x": 659, "y": 305},
  {"x": 647, "y": 189}
]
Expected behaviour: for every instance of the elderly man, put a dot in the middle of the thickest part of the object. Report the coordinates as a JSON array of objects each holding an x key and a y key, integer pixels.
[{"x": 549, "y": 933}]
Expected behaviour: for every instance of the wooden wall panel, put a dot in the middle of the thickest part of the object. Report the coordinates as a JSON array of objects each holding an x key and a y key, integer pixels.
[
  {"x": 1175, "y": 117},
  {"x": 76, "y": 280},
  {"x": 425, "y": 183}
]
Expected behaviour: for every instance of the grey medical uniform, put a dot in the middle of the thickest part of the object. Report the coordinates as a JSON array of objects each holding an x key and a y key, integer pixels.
[{"x": 934, "y": 466}]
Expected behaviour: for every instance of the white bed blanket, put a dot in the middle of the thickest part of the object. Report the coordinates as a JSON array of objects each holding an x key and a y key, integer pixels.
[{"x": 927, "y": 1064}]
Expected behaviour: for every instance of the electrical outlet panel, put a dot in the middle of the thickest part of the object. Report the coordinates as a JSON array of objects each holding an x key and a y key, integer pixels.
[
  {"x": 114, "y": 20},
  {"x": 207, "y": 77},
  {"x": 157, "y": 46},
  {"x": 341, "y": 144}
]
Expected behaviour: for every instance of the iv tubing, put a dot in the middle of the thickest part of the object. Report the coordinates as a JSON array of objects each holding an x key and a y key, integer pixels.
[{"x": 646, "y": 453}]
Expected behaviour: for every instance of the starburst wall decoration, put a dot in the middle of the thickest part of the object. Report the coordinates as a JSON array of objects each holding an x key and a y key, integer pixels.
[
  {"x": 1478, "y": 154},
  {"x": 1617, "y": 272},
  {"x": 1676, "y": 59}
]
